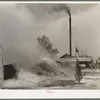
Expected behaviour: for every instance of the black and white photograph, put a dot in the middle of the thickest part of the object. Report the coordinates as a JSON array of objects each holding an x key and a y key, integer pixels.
[{"x": 45, "y": 46}]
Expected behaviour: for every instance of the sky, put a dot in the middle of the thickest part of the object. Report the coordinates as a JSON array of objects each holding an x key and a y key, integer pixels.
[{"x": 21, "y": 24}]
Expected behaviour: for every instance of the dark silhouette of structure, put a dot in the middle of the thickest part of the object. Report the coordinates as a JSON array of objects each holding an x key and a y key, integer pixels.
[{"x": 9, "y": 72}]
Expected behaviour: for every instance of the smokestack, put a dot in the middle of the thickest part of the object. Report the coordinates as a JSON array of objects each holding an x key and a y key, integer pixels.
[
  {"x": 70, "y": 37},
  {"x": 64, "y": 7}
]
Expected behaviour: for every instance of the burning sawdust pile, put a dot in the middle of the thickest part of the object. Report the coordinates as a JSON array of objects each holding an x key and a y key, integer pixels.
[
  {"x": 44, "y": 74},
  {"x": 25, "y": 80},
  {"x": 48, "y": 68}
]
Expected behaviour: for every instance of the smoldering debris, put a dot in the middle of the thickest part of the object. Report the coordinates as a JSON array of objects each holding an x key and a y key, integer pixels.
[
  {"x": 25, "y": 80},
  {"x": 45, "y": 74}
]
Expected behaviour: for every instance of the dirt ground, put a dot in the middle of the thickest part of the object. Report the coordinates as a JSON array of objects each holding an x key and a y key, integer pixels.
[{"x": 90, "y": 80}]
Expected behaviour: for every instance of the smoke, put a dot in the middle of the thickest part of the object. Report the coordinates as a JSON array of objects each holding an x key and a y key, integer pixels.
[
  {"x": 57, "y": 26},
  {"x": 62, "y": 7},
  {"x": 26, "y": 80},
  {"x": 59, "y": 7},
  {"x": 21, "y": 24},
  {"x": 18, "y": 32},
  {"x": 17, "y": 25},
  {"x": 19, "y": 29}
]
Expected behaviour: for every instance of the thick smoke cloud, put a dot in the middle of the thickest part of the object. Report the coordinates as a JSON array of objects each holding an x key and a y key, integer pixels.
[
  {"x": 17, "y": 25},
  {"x": 21, "y": 24}
]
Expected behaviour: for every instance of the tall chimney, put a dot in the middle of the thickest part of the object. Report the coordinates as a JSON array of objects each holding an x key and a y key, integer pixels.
[{"x": 70, "y": 36}]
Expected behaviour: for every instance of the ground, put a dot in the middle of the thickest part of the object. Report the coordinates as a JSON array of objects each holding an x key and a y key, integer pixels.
[{"x": 90, "y": 80}]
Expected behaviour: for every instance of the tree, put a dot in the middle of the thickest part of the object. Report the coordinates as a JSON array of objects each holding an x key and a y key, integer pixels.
[{"x": 47, "y": 45}]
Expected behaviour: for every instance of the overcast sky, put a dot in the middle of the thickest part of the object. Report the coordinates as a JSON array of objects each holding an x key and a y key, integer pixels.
[{"x": 21, "y": 24}]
